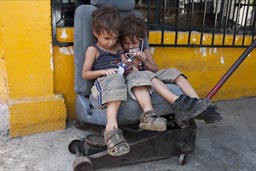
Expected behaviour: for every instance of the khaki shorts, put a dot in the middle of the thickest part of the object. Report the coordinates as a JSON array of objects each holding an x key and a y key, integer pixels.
[
  {"x": 168, "y": 75},
  {"x": 139, "y": 78},
  {"x": 109, "y": 88}
]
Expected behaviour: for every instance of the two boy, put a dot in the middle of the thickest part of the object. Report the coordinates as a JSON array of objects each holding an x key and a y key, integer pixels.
[{"x": 110, "y": 88}]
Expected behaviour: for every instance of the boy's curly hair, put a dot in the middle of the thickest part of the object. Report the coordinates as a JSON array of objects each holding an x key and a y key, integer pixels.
[
  {"x": 133, "y": 26},
  {"x": 106, "y": 18}
]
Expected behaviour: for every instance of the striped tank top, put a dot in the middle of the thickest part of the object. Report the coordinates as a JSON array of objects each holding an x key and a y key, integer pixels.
[{"x": 106, "y": 60}]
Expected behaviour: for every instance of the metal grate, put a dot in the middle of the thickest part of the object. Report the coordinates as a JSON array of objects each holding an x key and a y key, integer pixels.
[
  {"x": 216, "y": 19},
  {"x": 227, "y": 23},
  {"x": 63, "y": 16}
]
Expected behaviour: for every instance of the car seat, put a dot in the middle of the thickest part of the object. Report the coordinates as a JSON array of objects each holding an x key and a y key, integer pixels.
[
  {"x": 129, "y": 112},
  {"x": 145, "y": 146}
]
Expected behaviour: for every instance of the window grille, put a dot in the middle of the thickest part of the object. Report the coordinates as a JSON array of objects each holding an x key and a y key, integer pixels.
[
  {"x": 213, "y": 23},
  {"x": 63, "y": 16},
  {"x": 227, "y": 23}
]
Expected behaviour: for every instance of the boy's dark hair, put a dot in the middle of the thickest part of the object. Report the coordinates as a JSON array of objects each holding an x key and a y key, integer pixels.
[
  {"x": 106, "y": 18},
  {"x": 133, "y": 26}
]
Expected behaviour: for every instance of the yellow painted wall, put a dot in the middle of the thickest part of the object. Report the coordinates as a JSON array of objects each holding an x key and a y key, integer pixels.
[
  {"x": 27, "y": 49},
  {"x": 64, "y": 77},
  {"x": 204, "y": 67}
]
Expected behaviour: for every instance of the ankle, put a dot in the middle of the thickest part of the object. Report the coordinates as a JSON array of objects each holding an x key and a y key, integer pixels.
[
  {"x": 109, "y": 128},
  {"x": 145, "y": 110}
]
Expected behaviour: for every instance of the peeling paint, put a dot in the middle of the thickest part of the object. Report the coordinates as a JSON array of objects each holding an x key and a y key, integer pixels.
[
  {"x": 51, "y": 58},
  {"x": 181, "y": 36},
  {"x": 51, "y": 51},
  {"x": 203, "y": 51},
  {"x": 64, "y": 34},
  {"x": 215, "y": 50},
  {"x": 152, "y": 50},
  {"x": 71, "y": 50},
  {"x": 51, "y": 63},
  {"x": 196, "y": 52},
  {"x": 2, "y": 28},
  {"x": 222, "y": 60},
  {"x": 65, "y": 50}
]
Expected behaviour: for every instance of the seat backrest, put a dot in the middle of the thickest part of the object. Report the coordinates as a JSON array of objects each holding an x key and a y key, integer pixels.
[{"x": 82, "y": 38}]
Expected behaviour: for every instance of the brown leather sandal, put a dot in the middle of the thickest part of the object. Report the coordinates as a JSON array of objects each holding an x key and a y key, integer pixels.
[
  {"x": 150, "y": 120},
  {"x": 116, "y": 143}
]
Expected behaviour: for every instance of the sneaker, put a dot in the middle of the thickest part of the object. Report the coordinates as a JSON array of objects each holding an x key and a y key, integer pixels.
[
  {"x": 185, "y": 107},
  {"x": 210, "y": 115},
  {"x": 151, "y": 121}
]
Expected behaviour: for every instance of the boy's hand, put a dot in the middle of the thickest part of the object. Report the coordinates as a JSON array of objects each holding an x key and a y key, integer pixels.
[
  {"x": 140, "y": 56},
  {"x": 109, "y": 71}
]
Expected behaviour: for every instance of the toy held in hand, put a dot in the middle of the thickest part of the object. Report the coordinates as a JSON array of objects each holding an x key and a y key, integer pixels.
[{"x": 131, "y": 62}]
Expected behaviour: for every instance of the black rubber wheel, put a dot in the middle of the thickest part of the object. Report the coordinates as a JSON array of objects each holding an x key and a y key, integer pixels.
[
  {"x": 182, "y": 159},
  {"x": 74, "y": 146},
  {"x": 86, "y": 148},
  {"x": 82, "y": 163}
]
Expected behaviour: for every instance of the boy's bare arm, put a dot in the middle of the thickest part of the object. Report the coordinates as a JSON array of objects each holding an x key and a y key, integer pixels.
[
  {"x": 146, "y": 58},
  {"x": 149, "y": 62}
]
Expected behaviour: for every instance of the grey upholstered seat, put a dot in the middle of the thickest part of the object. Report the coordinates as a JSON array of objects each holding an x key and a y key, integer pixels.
[{"x": 129, "y": 111}]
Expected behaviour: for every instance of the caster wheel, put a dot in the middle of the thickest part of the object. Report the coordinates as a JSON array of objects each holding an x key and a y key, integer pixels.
[
  {"x": 82, "y": 163},
  {"x": 181, "y": 159},
  {"x": 75, "y": 146}
]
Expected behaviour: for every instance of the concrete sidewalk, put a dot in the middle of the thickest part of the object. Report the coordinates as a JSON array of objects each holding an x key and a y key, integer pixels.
[{"x": 225, "y": 146}]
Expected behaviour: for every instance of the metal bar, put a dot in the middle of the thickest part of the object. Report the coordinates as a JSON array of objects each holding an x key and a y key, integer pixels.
[
  {"x": 190, "y": 15},
  {"x": 237, "y": 14},
  {"x": 231, "y": 70},
  {"x": 222, "y": 7},
  {"x": 163, "y": 4},
  {"x": 254, "y": 21},
  {"x": 233, "y": 15},
  {"x": 245, "y": 20},
  {"x": 202, "y": 27},
  {"x": 215, "y": 21},
  {"x": 225, "y": 23},
  {"x": 177, "y": 21},
  {"x": 148, "y": 16},
  {"x": 253, "y": 11},
  {"x": 157, "y": 14},
  {"x": 228, "y": 12}
]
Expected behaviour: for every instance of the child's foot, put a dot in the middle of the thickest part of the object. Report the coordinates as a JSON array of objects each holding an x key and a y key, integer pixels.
[
  {"x": 116, "y": 143},
  {"x": 185, "y": 107},
  {"x": 210, "y": 115},
  {"x": 151, "y": 121}
]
